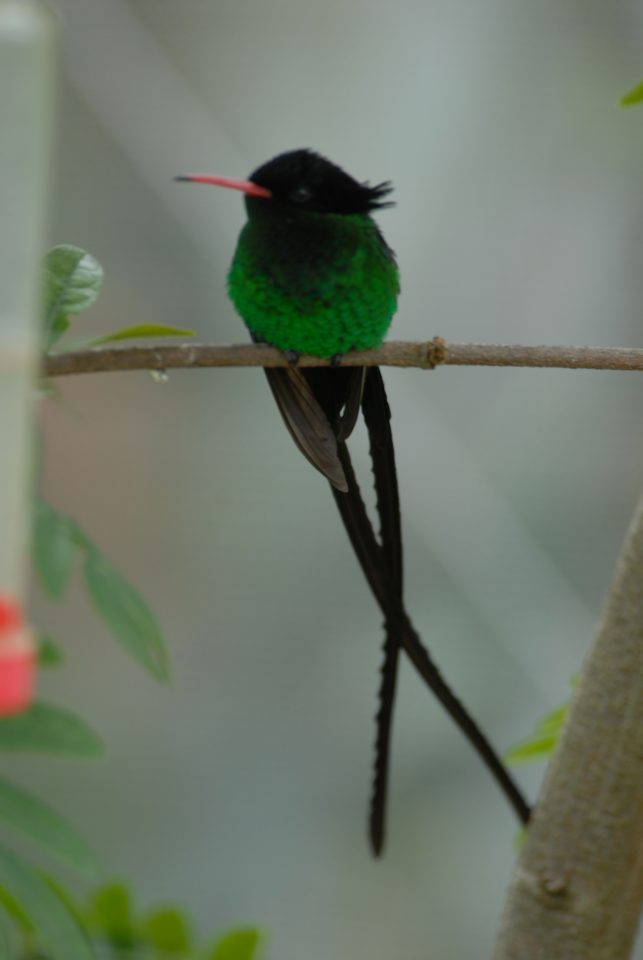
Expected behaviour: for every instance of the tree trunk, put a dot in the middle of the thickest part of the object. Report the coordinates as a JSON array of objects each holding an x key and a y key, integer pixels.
[{"x": 577, "y": 888}]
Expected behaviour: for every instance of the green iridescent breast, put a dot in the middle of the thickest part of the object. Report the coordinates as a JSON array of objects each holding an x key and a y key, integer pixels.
[{"x": 314, "y": 283}]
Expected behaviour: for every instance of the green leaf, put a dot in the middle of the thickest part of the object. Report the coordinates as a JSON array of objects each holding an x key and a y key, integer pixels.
[
  {"x": 552, "y": 723},
  {"x": 535, "y": 748},
  {"x": 543, "y": 740},
  {"x": 122, "y": 609},
  {"x": 57, "y": 328},
  {"x": 49, "y": 653},
  {"x": 49, "y": 729},
  {"x": 519, "y": 839},
  {"x": 633, "y": 96},
  {"x": 72, "y": 282},
  {"x": 66, "y": 899},
  {"x": 546, "y": 735},
  {"x": 39, "y": 823},
  {"x": 126, "y": 614},
  {"x": 110, "y": 915},
  {"x": 14, "y": 910},
  {"x": 167, "y": 931},
  {"x": 139, "y": 332},
  {"x": 56, "y": 928},
  {"x": 239, "y": 944},
  {"x": 6, "y": 952},
  {"x": 53, "y": 548}
]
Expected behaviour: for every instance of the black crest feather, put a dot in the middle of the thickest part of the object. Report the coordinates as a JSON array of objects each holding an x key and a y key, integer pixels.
[{"x": 308, "y": 181}]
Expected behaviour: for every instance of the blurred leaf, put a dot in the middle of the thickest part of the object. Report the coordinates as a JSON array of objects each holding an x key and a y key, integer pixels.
[
  {"x": 56, "y": 328},
  {"x": 6, "y": 952},
  {"x": 546, "y": 735},
  {"x": 167, "y": 931},
  {"x": 44, "y": 826},
  {"x": 72, "y": 282},
  {"x": 633, "y": 96},
  {"x": 122, "y": 609},
  {"x": 55, "y": 927},
  {"x": 110, "y": 915},
  {"x": 81, "y": 539},
  {"x": 535, "y": 748},
  {"x": 141, "y": 331},
  {"x": 543, "y": 740},
  {"x": 49, "y": 653},
  {"x": 126, "y": 614},
  {"x": 66, "y": 899},
  {"x": 519, "y": 839},
  {"x": 51, "y": 730},
  {"x": 53, "y": 548},
  {"x": 14, "y": 910},
  {"x": 239, "y": 944},
  {"x": 551, "y": 724}
]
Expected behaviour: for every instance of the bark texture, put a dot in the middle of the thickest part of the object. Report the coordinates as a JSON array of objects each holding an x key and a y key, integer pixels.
[{"x": 577, "y": 888}]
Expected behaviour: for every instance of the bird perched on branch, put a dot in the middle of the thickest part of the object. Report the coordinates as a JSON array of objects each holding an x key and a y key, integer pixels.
[{"x": 313, "y": 274}]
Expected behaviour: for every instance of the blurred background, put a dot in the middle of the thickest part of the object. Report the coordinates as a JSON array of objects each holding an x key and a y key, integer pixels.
[{"x": 242, "y": 789}]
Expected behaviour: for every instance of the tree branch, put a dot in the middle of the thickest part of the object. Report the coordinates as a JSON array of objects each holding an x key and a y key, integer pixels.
[
  {"x": 424, "y": 355},
  {"x": 578, "y": 886}
]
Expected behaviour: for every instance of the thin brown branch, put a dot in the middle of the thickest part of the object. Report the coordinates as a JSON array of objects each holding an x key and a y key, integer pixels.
[{"x": 397, "y": 353}]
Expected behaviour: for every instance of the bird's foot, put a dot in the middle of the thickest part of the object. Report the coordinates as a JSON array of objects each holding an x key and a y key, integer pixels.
[
  {"x": 336, "y": 359},
  {"x": 292, "y": 356}
]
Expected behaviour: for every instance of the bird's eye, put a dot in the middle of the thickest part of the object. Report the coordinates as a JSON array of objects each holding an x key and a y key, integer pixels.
[{"x": 300, "y": 195}]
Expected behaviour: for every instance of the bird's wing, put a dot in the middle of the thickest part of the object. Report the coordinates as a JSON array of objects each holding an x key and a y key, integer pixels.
[{"x": 307, "y": 423}]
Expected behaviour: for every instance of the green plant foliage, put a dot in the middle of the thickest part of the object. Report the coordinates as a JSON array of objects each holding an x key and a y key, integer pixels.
[
  {"x": 67, "y": 901},
  {"x": 49, "y": 729},
  {"x": 633, "y": 96},
  {"x": 121, "y": 608},
  {"x": 111, "y": 927},
  {"x": 166, "y": 930},
  {"x": 543, "y": 740},
  {"x": 5, "y": 942},
  {"x": 239, "y": 944},
  {"x": 54, "y": 544},
  {"x": 125, "y": 614},
  {"x": 43, "y": 913},
  {"x": 519, "y": 839},
  {"x": 14, "y": 912},
  {"x": 42, "y": 825},
  {"x": 139, "y": 332},
  {"x": 161, "y": 934},
  {"x": 110, "y": 916},
  {"x": 71, "y": 283},
  {"x": 49, "y": 653},
  {"x": 53, "y": 924},
  {"x": 72, "y": 280}
]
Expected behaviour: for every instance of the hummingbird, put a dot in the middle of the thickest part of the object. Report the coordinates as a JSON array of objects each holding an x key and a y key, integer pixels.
[{"x": 313, "y": 274}]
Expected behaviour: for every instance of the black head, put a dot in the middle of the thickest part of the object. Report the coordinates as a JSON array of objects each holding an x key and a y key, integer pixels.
[{"x": 307, "y": 181}]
